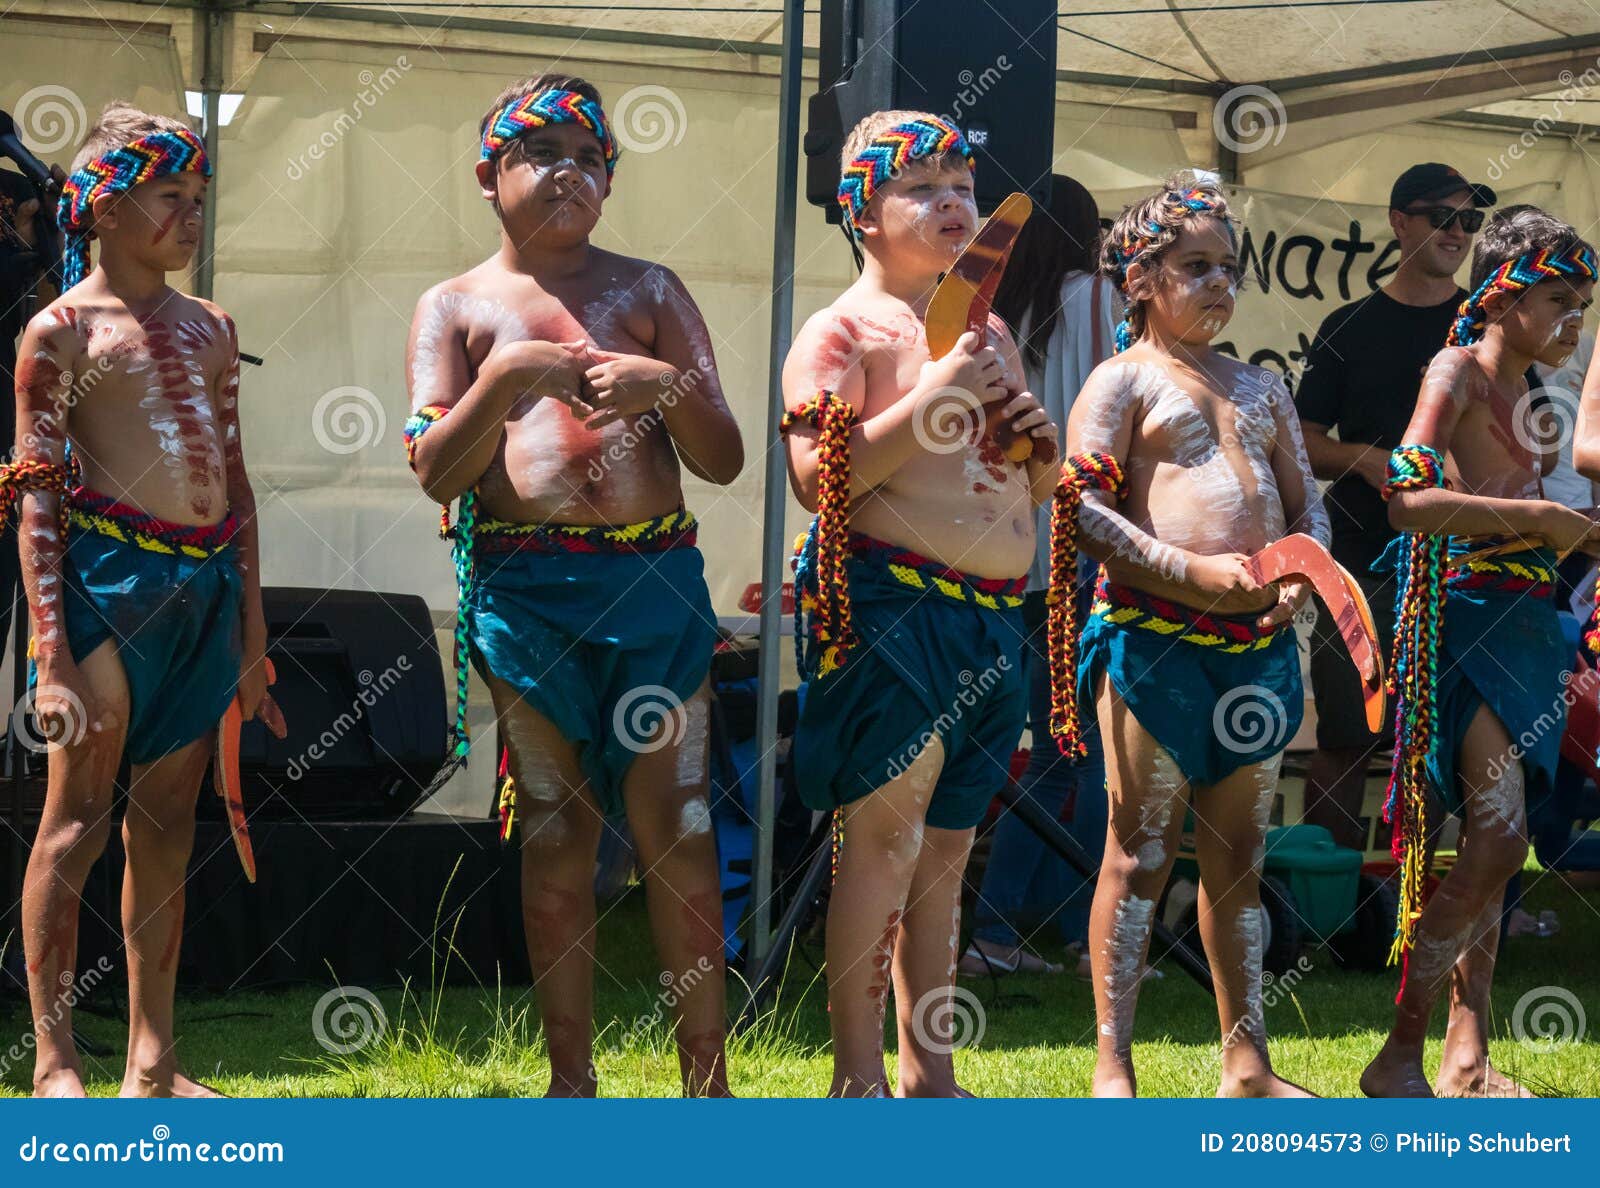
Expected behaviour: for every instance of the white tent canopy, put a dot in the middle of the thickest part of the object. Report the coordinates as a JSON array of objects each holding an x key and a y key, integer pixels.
[{"x": 345, "y": 188}]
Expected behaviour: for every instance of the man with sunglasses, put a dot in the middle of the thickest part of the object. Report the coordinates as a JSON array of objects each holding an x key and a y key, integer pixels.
[{"x": 1361, "y": 378}]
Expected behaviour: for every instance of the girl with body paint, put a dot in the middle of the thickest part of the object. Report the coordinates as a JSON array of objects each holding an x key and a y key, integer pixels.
[{"x": 1189, "y": 666}]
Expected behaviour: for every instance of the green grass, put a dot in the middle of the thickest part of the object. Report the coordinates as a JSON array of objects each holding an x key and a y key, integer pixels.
[{"x": 468, "y": 1041}]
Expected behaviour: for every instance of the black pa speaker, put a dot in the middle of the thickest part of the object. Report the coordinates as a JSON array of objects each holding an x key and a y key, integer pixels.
[
  {"x": 362, "y": 691},
  {"x": 989, "y": 69}
]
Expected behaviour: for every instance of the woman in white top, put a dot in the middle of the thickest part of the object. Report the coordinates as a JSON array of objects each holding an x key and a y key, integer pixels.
[{"x": 1065, "y": 316}]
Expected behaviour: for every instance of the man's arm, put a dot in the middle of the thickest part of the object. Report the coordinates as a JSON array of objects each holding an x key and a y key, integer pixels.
[
  {"x": 1303, "y": 509},
  {"x": 1319, "y": 400}
]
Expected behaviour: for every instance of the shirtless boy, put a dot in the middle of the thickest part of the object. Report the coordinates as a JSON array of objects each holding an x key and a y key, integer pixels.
[
  {"x": 913, "y": 575},
  {"x": 141, "y": 573},
  {"x": 555, "y": 390},
  {"x": 1189, "y": 666},
  {"x": 1471, "y": 468}
]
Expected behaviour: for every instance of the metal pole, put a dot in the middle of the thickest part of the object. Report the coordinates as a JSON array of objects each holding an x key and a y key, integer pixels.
[
  {"x": 775, "y": 503},
  {"x": 211, "y": 99}
]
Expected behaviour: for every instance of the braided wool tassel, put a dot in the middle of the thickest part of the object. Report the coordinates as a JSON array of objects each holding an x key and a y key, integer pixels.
[
  {"x": 1412, "y": 681},
  {"x": 47, "y": 477},
  {"x": 1080, "y": 472},
  {"x": 834, "y": 419},
  {"x": 460, "y": 537}
]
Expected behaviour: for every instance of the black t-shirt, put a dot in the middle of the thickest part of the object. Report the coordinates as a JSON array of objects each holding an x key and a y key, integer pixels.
[{"x": 1361, "y": 377}]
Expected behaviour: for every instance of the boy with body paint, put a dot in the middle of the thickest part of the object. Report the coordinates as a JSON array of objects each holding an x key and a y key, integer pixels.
[
  {"x": 912, "y": 577},
  {"x": 555, "y": 389},
  {"x": 1479, "y": 658},
  {"x": 1187, "y": 461},
  {"x": 139, "y": 557}
]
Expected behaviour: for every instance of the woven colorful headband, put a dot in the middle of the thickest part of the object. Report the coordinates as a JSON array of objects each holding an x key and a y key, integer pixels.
[
  {"x": 1515, "y": 275},
  {"x": 156, "y": 154},
  {"x": 543, "y": 109},
  {"x": 1193, "y": 201},
  {"x": 888, "y": 154}
]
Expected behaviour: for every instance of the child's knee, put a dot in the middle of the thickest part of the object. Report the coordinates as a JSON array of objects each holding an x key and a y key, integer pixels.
[
  {"x": 672, "y": 823},
  {"x": 1498, "y": 857},
  {"x": 168, "y": 840},
  {"x": 75, "y": 843},
  {"x": 888, "y": 836}
]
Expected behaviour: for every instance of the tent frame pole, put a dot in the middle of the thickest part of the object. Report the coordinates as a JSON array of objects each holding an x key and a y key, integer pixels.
[
  {"x": 211, "y": 20},
  {"x": 776, "y": 487}
]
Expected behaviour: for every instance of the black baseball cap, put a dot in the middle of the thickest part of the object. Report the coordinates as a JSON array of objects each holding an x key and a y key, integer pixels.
[{"x": 1434, "y": 180}]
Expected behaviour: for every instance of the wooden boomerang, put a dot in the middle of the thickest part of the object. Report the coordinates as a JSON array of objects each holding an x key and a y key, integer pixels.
[
  {"x": 1299, "y": 555},
  {"x": 962, "y": 302},
  {"x": 226, "y": 778}
]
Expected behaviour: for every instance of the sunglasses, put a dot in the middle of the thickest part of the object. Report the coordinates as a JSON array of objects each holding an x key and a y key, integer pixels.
[{"x": 1440, "y": 217}]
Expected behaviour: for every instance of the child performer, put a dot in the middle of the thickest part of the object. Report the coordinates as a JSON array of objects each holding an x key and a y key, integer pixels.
[
  {"x": 1187, "y": 460},
  {"x": 554, "y": 390},
  {"x": 916, "y": 698},
  {"x": 139, "y": 557},
  {"x": 1479, "y": 659}
]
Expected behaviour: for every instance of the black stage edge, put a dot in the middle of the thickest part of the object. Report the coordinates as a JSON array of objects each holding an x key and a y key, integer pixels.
[{"x": 363, "y": 903}]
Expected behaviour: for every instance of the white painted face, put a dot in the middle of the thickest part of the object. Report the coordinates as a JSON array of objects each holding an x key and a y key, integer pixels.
[{"x": 1197, "y": 281}]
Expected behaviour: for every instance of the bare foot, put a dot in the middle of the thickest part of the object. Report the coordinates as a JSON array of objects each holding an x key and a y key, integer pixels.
[
  {"x": 913, "y": 1088},
  {"x": 1395, "y": 1074},
  {"x": 566, "y": 1087},
  {"x": 64, "y": 1082},
  {"x": 1113, "y": 1082},
  {"x": 164, "y": 1083},
  {"x": 983, "y": 957},
  {"x": 1471, "y": 1079},
  {"x": 1262, "y": 1084},
  {"x": 855, "y": 1087}
]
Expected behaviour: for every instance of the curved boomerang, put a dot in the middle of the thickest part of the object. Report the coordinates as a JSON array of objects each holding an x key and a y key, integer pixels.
[
  {"x": 962, "y": 302},
  {"x": 226, "y": 776},
  {"x": 1300, "y": 556}
]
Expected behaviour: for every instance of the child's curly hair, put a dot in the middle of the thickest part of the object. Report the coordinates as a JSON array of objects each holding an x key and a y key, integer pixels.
[
  {"x": 1515, "y": 231},
  {"x": 1145, "y": 230}
]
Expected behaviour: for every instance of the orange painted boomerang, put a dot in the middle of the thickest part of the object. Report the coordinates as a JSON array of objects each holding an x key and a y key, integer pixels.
[
  {"x": 964, "y": 297},
  {"x": 1299, "y": 555},
  {"x": 226, "y": 771}
]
